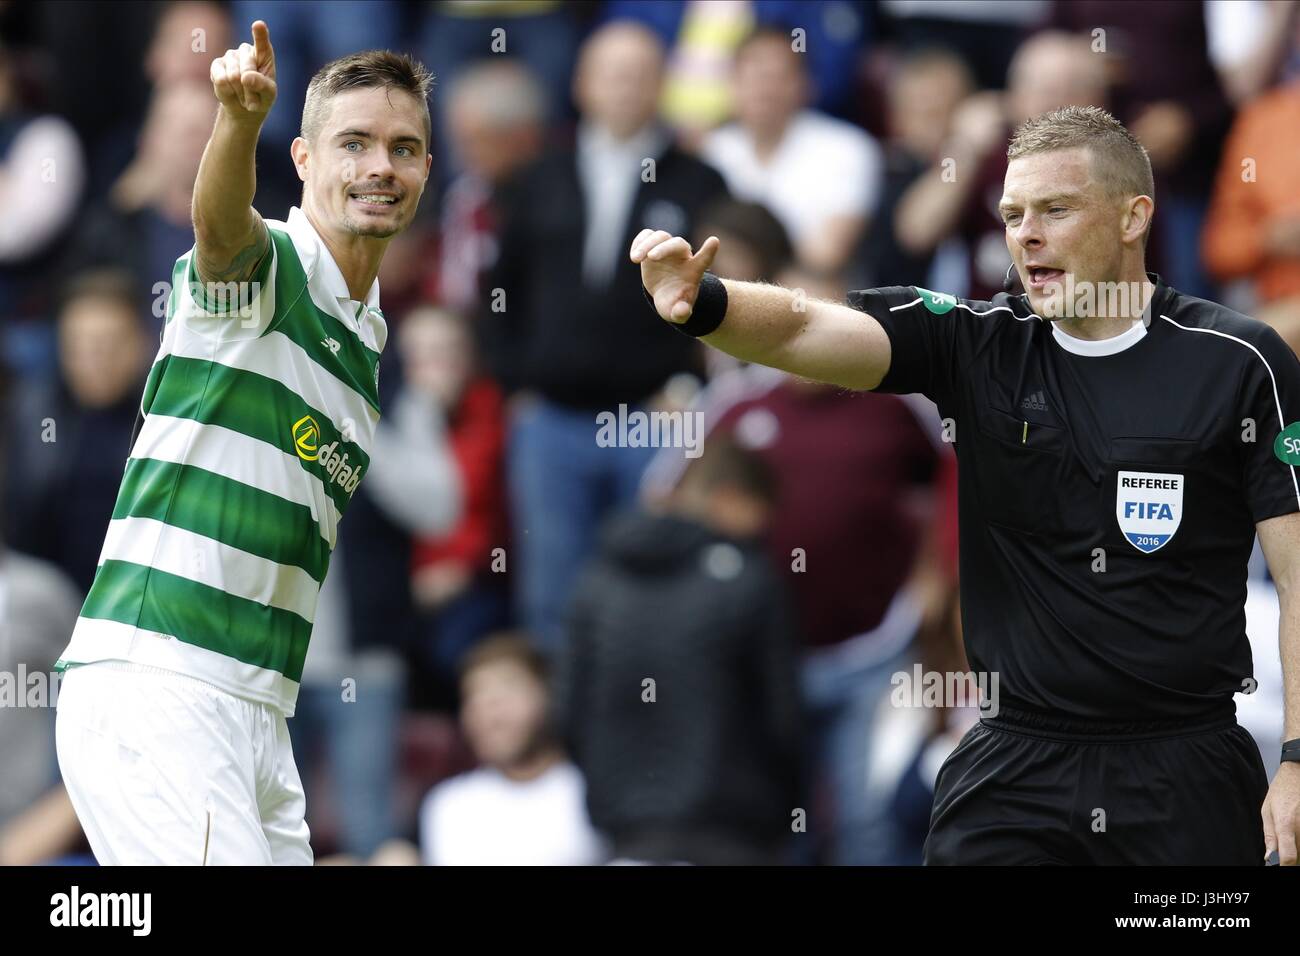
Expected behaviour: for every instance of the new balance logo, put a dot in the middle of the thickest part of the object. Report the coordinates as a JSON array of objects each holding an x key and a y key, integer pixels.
[
  {"x": 1037, "y": 402},
  {"x": 332, "y": 344}
]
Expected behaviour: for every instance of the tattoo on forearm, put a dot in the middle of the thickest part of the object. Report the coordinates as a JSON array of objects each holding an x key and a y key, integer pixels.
[{"x": 242, "y": 266}]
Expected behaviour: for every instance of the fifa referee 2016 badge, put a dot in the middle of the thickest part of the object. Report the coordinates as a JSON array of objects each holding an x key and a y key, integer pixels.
[{"x": 1149, "y": 507}]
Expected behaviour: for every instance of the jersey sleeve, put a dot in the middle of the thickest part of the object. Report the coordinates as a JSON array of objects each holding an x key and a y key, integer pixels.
[
  {"x": 932, "y": 335},
  {"x": 231, "y": 308},
  {"x": 1270, "y": 397}
]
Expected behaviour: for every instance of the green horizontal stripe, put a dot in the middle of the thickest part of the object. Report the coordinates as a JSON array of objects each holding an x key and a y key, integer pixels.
[
  {"x": 154, "y": 600},
  {"x": 226, "y": 510},
  {"x": 301, "y": 321},
  {"x": 252, "y": 405}
]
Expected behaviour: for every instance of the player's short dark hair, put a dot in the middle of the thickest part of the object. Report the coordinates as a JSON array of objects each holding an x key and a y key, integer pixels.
[
  {"x": 366, "y": 70},
  {"x": 725, "y": 463},
  {"x": 754, "y": 224},
  {"x": 1119, "y": 161},
  {"x": 505, "y": 646}
]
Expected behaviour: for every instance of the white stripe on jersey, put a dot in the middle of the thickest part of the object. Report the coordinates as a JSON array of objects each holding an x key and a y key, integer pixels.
[{"x": 1277, "y": 400}]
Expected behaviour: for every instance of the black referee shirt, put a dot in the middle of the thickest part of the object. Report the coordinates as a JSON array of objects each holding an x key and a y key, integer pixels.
[{"x": 1107, "y": 500}]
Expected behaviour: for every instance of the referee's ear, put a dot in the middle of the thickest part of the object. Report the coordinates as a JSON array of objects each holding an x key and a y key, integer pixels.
[{"x": 1136, "y": 221}]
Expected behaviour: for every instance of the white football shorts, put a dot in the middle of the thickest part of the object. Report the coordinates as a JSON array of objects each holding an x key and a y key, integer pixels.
[{"x": 167, "y": 769}]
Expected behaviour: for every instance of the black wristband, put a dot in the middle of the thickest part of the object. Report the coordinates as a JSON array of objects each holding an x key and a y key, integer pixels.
[
  {"x": 1291, "y": 750},
  {"x": 710, "y": 308}
]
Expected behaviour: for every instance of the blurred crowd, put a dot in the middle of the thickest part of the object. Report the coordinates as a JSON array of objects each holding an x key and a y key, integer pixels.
[{"x": 628, "y": 653}]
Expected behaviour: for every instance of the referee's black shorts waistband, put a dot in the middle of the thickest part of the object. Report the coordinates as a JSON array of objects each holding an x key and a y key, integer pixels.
[{"x": 1086, "y": 730}]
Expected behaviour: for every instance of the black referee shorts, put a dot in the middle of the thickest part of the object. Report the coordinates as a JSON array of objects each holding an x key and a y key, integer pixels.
[{"x": 1026, "y": 789}]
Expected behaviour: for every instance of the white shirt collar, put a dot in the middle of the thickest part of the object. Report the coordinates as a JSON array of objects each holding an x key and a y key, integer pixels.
[
  {"x": 1094, "y": 347},
  {"x": 594, "y": 140},
  {"x": 1111, "y": 346},
  {"x": 317, "y": 260}
]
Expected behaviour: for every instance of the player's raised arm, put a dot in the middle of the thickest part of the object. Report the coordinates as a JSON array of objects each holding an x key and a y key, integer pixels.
[
  {"x": 815, "y": 339},
  {"x": 230, "y": 237}
]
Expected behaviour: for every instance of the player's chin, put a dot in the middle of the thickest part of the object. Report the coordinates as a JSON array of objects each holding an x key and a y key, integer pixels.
[{"x": 376, "y": 228}]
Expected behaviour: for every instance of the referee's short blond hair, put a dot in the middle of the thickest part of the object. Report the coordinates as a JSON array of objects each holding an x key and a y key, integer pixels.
[{"x": 1119, "y": 162}]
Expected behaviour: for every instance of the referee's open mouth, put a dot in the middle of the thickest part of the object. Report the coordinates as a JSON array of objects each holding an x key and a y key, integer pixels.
[{"x": 1040, "y": 277}]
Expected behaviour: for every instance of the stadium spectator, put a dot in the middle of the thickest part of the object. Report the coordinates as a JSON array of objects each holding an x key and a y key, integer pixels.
[
  {"x": 818, "y": 175},
  {"x": 496, "y": 118},
  {"x": 677, "y": 690},
  {"x": 524, "y": 804},
  {"x": 986, "y": 34},
  {"x": 42, "y": 172},
  {"x": 756, "y": 248},
  {"x": 1253, "y": 227},
  {"x": 543, "y": 34},
  {"x": 923, "y": 97},
  {"x": 1252, "y": 44},
  {"x": 37, "y": 613},
  {"x": 143, "y": 225},
  {"x": 353, "y": 687},
  {"x": 854, "y": 472},
  {"x": 457, "y": 576},
  {"x": 959, "y": 194},
  {"x": 759, "y": 247},
  {"x": 184, "y": 34},
  {"x": 568, "y": 323},
  {"x": 68, "y": 436},
  {"x": 1167, "y": 92},
  {"x": 702, "y": 37}
]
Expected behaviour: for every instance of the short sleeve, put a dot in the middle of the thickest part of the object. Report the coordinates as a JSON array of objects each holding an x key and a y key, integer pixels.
[
  {"x": 1271, "y": 399},
  {"x": 210, "y": 307},
  {"x": 922, "y": 332}
]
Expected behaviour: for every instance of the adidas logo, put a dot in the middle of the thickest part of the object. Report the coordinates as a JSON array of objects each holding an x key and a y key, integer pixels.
[{"x": 1036, "y": 402}]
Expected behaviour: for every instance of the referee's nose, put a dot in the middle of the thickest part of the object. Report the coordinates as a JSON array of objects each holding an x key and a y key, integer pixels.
[{"x": 1027, "y": 234}]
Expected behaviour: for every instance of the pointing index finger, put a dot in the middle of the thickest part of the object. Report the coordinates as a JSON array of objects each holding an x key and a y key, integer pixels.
[{"x": 261, "y": 38}]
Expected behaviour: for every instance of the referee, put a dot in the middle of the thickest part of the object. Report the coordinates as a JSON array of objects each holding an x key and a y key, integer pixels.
[{"x": 1120, "y": 445}]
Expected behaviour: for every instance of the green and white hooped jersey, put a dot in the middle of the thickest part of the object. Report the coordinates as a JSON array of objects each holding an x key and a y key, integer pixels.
[{"x": 259, "y": 414}]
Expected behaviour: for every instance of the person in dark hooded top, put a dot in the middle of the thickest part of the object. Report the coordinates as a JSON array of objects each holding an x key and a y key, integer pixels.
[{"x": 676, "y": 690}]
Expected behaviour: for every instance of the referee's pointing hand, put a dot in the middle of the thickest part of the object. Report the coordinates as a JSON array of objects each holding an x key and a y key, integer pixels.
[
  {"x": 244, "y": 79},
  {"x": 670, "y": 273}
]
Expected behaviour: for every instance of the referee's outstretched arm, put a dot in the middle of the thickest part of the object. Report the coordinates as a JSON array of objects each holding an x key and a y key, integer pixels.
[
  {"x": 230, "y": 238},
  {"x": 815, "y": 339}
]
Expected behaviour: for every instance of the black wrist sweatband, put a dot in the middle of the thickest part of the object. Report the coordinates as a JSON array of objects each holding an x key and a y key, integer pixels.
[
  {"x": 710, "y": 308},
  {"x": 1291, "y": 750}
]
